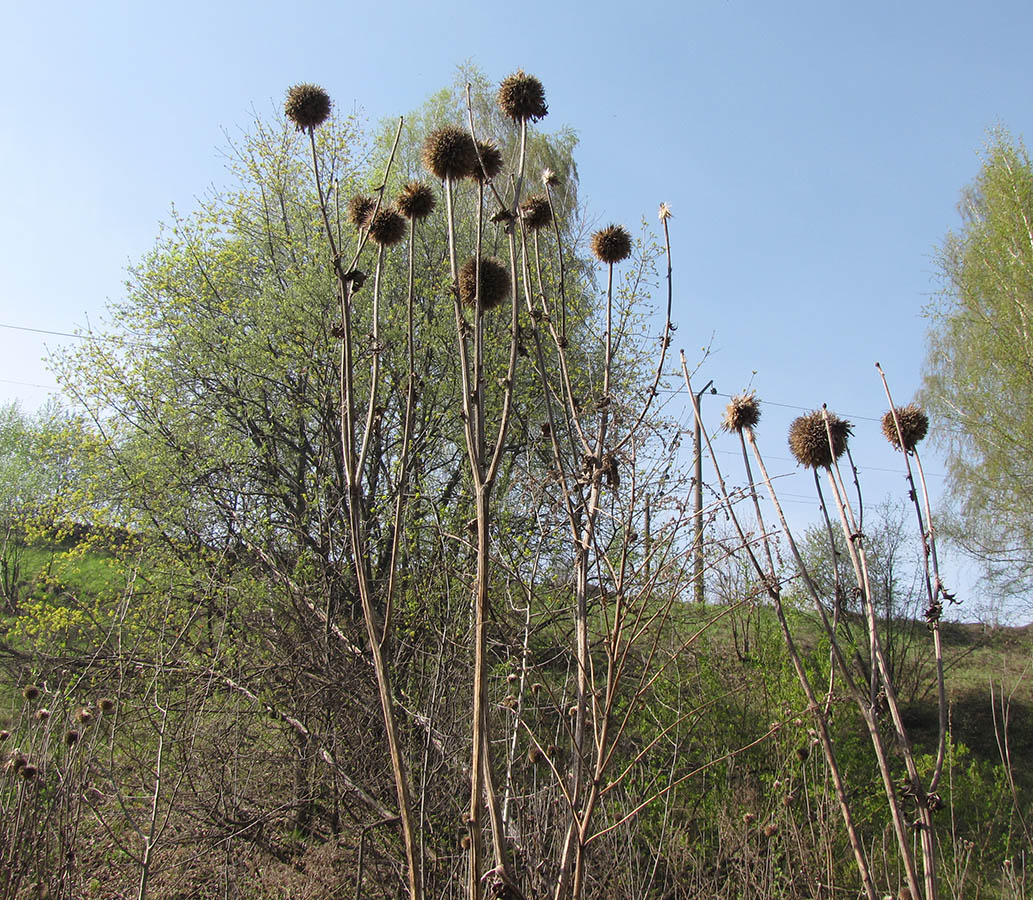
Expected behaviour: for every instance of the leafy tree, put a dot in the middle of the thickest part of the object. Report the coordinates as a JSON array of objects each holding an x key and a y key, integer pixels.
[{"x": 979, "y": 368}]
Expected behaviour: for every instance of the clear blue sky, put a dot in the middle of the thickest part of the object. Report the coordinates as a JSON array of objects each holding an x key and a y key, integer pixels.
[{"x": 812, "y": 153}]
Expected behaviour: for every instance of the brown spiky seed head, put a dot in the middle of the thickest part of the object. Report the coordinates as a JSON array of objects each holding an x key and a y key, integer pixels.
[
  {"x": 416, "y": 200},
  {"x": 914, "y": 425},
  {"x": 387, "y": 227},
  {"x": 85, "y": 716},
  {"x": 449, "y": 152},
  {"x": 489, "y": 164},
  {"x": 536, "y": 212},
  {"x": 611, "y": 244},
  {"x": 307, "y": 106},
  {"x": 71, "y": 737},
  {"x": 494, "y": 286},
  {"x": 770, "y": 830},
  {"x": 743, "y": 411},
  {"x": 106, "y": 705},
  {"x": 521, "y": 96},
  {"x": 18, "y": 761},
  {"x": 42, "y": 714},
  {"x": 4, "y": 735},
  {"x": 809, "y": 440},
  {"x": 29, "y": 771},
  {"x": 30, "y": 692},
  {"x": 360, "y": 210}
]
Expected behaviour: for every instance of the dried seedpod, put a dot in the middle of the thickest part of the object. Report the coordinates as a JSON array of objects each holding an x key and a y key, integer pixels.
[
  {"x": 742, "y": 411},
  {"x": 28, "y": 772},
  {"x": 611, "y": 244},
  {"x": 489, "y": 164},
  {"x": 71, "y": 737},
  {"x": 42, "y": 714},
  {"x": 85, "y": 715},
  {"x": 914, "y": 425},
  {"x": 770, "y": 830},
  {"x": 360, "y": 210},
  {"x": 535, "y": 755},
  {"x": 536, "y": 212},
  {"x": 494, "y": 282},
  {"x": 522, "y": 97},
  {"x": 809, "y": 439},
  {"x": 307, "y": 106},
  {"x": 449, "y": 152},
  {"x": 106, "y": 705},
  {"x": 416, "y": 200},
  {"x": 30, "y": 692},
  {"x": 387, "y": 227}
]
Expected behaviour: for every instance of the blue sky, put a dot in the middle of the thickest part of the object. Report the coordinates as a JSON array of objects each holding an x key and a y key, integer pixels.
[{"x": 813, "y": 154}]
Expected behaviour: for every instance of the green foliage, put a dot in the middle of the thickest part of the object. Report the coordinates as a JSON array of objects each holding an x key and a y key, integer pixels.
[{"x": 979, "y": 368}]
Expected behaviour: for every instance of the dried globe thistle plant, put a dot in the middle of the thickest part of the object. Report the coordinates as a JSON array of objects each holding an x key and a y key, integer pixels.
[
  {"x": 416, "y": 200},
  {"x": 29, "y": 771},
  {"x": 522, "y": 97},
  {"x": 494, "y": 282},
  {"x": 490, "y": 162},
  {"x": 307, "y": 106},
  {"x": 536, "y": 212},
  {"x": 914, "y": 425},
  {"x": 85, "y": 715},
  {"x": 106, "y": 705},
  {"x": 550, "y": 178},
  {"x": 611, "y": 244},
  {"x": 42, "y": 714},
  {"x": 360, "y": 210},
  {"x": 71, "y": 737},
  {"x": 809, "y": 439},
  {"x": 449, "y": 153},
  {"x": 387, "y": 227},
  {"x": 743, "y": 411},
  {"x": 30, "y": 692}
]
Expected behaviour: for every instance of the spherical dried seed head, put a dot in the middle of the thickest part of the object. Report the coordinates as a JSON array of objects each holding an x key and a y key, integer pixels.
[
  {"x": 106, "y": 705},
  {"x": 42, "y": 714},
  {"x": 490, "y": 163},
  {"x": 449, "y": 152},
  {"x": 611, "y": 244},
  {"x": 307, "y": 106},
  {"x": 71, "y": 737},
  {"x": 360, "y": 210},
  {"x": 18, "y": 762},
  {"x": 85, "y": 716},
  {"x": 914, "y": 425},
  {"x": 29, "y": 771},
  {"x": 387, "y": 227},
  {"x": 521, "y": 96},
  {"x": 417, "y": 200},
  {"x": 494, "y": 286},
  {"x": 4, "y": 735},
  {"x": 743, "y": 411},
  {"x": 770, "y": 830},
  {"x": 30, "y": 692},
  {"x": 536, "y": 212},
  {"x": 809, "y": 440}
]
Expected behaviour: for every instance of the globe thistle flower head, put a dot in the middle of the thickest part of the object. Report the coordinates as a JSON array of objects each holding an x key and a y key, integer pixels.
[
  {"x": 42, "y": 714},
  {"x": 416, "y": 200},
  {"x": 536, "y": 212},
  {"x": 914, "y": 425},
  {"x": 106, "y": 705},
  {"x": 494, "y": 282},
  {"x": 71, "y": 737},
  {"x": 85, "y": 716},
  {"x": 387, "y": 227},
  {"x": 30, "y": 692},
  {"x": 360, "y": 210},
  {"x": 743, "y": 411},
  {"x": 449, "y": 152},
  {"x": 29, "y": 771},
  {"x": 809, "y": 439},
  {"x": 490, "y": 163},
  {"x": 307, "y": 106},
  {"x": 522, "y": 97},
  {"x": 611, "y": 244}
]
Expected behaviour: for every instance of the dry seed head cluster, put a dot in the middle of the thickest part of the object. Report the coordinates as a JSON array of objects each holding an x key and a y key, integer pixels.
[
  {"x": 521, "y": 96},
  {"x": 360, "y": 210},
  {"x": 490, "y": 163},
  {"x": 743, "y": 411},
  {"x": 30, "y": 692},
  {"x": 809, "y": 439},
  {"x": 387, "y": 227},
  {"x": 536, "y": 212},
  {"x": 914, "y": 425},
  {"x": 449, "y": 152},
  {"x": 416, "y": 200},
  {"x": 307, "y": 106},
  {"x": 494, "y": 282},
  {"x": 611, "y": 244}
]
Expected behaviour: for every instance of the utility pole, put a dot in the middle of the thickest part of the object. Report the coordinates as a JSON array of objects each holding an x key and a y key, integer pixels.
[{"x": 697, "y": 448}]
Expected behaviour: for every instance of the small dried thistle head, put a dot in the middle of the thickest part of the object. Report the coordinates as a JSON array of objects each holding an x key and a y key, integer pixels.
[
  {"x": 307, "y": 106},
  {"x": 416, "y": 200},
  {"x": 85, "y": 715},
  {"x": 809, "y": 439},
  {"x": 914, "y": 425},
  {"x": 489, "y": 164},
  {"x": 665, "y": 212},
  {"x": 611, "y": 244},
  {"x": 30, "y": 692},
  {"x": 770, "y": 830},
  {"x": 521, "y": 96},
  {"x": 28, "y": 772},
  {"x": 449, "y": 152},
  {"x": 550, "y": 178},
  {"x": 536, "y": 212},
  {"x": 106, "y": 705},
  {"x": 360, "y": 210},
  {"x": 387, "y": 227},
  {"x": 743, "y": 411},
  {"x": 42, "y": 714},
  {"x": 494, "y": 282},
  {"x": 4, "y": 735},
  {"x": 71, "y": 737}
]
